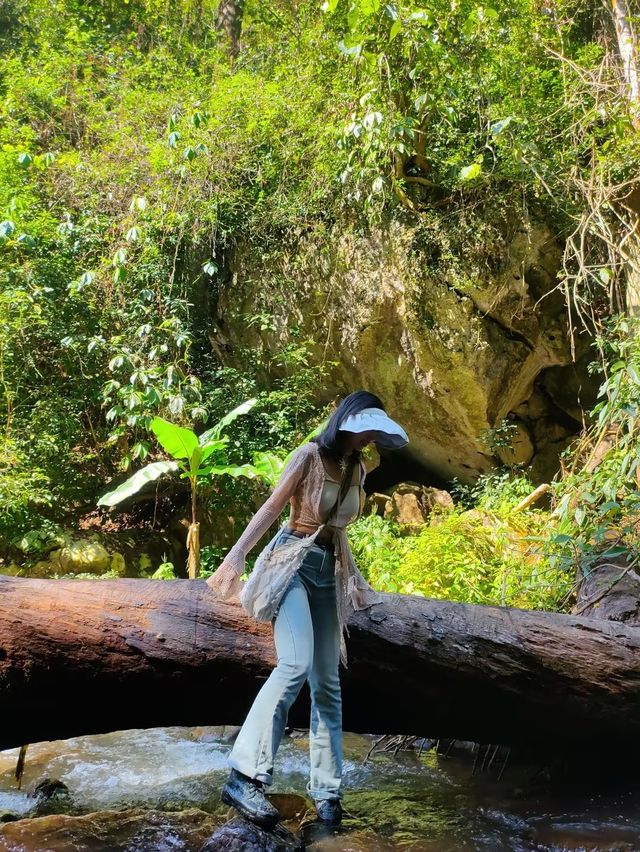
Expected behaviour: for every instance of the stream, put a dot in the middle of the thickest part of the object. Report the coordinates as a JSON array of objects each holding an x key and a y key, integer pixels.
[{"x": 158, "y": 790}]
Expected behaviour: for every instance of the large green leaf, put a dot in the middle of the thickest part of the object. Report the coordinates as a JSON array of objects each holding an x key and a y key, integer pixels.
[
  {"x": 136, "y": 482},
  {"x": 233, "y": 470},
  {"x": 269, "y": 466},
  {"x": 177, "y": 441},
  {"x": 215, "y": 446},
  {"x": 195, "y": 461},
  {"x": 216, "y": 431}
]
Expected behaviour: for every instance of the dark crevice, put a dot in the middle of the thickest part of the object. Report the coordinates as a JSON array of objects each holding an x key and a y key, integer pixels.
[
  {"x": 510, "y": 333},
  {"x": 401, "y": 466}
]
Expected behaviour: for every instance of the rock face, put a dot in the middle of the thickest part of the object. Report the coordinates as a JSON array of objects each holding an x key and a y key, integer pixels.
[
  {"x": 612, "y": 591},
  {"x": 453, "y": 346}
]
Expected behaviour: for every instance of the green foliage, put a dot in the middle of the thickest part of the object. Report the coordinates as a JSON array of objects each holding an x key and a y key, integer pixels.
[
  {"x": 499, "y": 490},
  {"x": 137, "y": 482},
  {"x": 598, "y": 498},
  {"x": 165, "y": 571},
  {"x": 139, "y": 171},
  {"x": 196, "y": 457},
  {"x": 474, "y": 557},
  {"x": 450, "y": 98},
  {"x": 378, "y": 550}
]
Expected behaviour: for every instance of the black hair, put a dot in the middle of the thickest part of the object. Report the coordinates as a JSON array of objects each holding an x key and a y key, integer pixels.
[{"x": 328, "y": 440}]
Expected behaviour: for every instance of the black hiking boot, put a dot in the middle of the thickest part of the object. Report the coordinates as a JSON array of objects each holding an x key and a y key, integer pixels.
[
  {"x": 329, "y": 811},
  {"x": 246, "y": 796}
]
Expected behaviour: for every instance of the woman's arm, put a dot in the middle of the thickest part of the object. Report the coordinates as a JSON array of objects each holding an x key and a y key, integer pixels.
[{"x": 225, "y": 581}]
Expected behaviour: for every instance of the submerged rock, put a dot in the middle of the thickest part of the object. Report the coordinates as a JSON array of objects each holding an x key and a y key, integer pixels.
[{"x": 239, "y": 835}]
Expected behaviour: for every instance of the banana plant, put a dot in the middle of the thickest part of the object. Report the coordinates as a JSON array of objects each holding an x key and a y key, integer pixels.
[{"x": 194, "y": 457}]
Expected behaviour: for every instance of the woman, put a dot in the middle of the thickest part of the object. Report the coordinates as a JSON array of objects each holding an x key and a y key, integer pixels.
[{"x": 305, "y": 582}]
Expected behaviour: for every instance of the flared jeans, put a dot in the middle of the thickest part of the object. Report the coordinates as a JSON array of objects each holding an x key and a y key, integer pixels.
[{"x": 307, "y": 644}]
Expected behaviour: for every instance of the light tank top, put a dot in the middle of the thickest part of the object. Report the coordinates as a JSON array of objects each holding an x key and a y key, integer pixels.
[{"x": 347, "y": 510}]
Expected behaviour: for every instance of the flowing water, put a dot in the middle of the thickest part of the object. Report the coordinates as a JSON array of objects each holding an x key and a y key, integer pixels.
[{"x": 158, "y": 791}]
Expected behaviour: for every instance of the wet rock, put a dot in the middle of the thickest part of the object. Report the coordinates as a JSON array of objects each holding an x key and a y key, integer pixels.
[
  {"x": 116, "y": 831},
  {"x": 239, "y": 835},
  {"x": 53, "y": 797},
  {"x": 48, "y": 788},
  {"x": 213, "y": 733}
]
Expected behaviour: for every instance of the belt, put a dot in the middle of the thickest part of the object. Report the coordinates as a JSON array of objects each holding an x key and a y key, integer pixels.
[{"x": 325, "y": 545}]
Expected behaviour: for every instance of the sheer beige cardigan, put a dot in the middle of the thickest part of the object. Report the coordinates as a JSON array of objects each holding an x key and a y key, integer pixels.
[{"x": 300, "y": 484}]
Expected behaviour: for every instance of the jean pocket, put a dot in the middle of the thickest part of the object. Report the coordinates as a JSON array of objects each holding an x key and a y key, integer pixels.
[{"x": 314, "y": 558}]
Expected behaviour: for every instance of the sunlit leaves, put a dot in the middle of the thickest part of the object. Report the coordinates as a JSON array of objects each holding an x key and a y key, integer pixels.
[
  {"x": 138, "y": 202},
  {"x": 136, "y": 482},
  {"x": 479, "y": 20},
  {"x": 469, "y": 173},
  {"x": 499, "y": 127},
  {"x": 210, "y": 268}
]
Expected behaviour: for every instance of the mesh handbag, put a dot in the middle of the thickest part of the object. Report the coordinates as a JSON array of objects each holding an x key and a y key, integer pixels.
[{"x": 265, "y": 588}]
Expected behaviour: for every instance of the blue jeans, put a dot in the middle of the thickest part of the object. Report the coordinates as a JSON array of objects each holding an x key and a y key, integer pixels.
[{"x": 308, "y": 648}]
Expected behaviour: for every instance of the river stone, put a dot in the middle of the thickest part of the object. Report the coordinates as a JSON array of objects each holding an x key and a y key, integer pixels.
[
  {"x": 49, "y": 787},
  {"x": 53, "y": 796},
  {"x": 239, "y": 835},
  {"x": 116, "y": 831}
]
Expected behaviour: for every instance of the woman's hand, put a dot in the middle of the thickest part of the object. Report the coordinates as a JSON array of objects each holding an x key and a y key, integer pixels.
[{"x": 225, "y": 581}]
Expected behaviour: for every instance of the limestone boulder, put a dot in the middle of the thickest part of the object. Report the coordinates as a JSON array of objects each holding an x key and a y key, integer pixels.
[
  {"x": 409, "y": 505},
  {"x": 520, "y": 449},
  {"x": 452, "y": 347},
  {"x": 84, "y": 556}
]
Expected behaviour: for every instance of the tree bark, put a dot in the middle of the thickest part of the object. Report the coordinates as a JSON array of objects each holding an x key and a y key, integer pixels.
[
  {"x": 80, "y": 657},
  {"x": 229, "y": 22},
  {"x": 627, "y": 49}
]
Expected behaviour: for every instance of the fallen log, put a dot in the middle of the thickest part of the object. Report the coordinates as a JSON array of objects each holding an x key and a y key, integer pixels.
[{"x": 80, "y": 657}]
